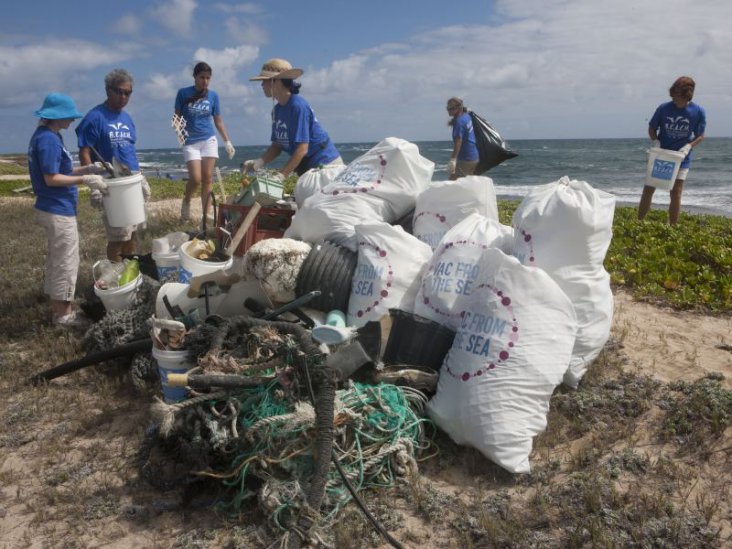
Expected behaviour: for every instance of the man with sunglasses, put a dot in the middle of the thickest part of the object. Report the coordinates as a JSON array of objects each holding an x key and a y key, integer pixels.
[{"x": 108, "y": 130}]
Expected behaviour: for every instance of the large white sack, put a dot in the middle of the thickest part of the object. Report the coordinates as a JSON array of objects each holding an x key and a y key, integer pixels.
[
  {"x": 565, "y": 228},
  {"x": 313, "y": 180},
  {"x": 453, "y": 269},
  {"x": 509, "y": 354},
  {"x": 445, "y": 203},
  {"x": 334, "y": 218},
  {"x": 392, "y": 170},
  {"x": 592, "y": 296},
  {"x": 388, "y": 272},
  {"x": 563, "y": 223}
]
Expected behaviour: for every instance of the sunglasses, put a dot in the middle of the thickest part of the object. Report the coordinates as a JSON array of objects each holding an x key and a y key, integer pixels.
[
  {"x": 120, "y": 91},
  {"x": 450, "y": 108}
]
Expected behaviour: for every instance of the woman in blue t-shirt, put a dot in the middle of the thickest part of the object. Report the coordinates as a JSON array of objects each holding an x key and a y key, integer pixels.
[
  {"x": 200, "y": 108},
  {"x": 295, "y": 128},
  {"x": 464, "y": 157},
  {"x": 54, "y": 179},
  {"x": 677, "y": 125}
]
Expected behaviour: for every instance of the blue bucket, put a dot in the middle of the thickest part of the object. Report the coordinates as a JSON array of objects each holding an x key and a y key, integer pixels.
[{"x": 172, "y": 362}]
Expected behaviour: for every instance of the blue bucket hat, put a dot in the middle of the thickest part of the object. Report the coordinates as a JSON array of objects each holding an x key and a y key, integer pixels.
[{"x": 57, "y": 106}]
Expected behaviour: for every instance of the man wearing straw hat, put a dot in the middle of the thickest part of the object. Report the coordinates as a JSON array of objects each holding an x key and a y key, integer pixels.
[{"x": 295, "y": 128}]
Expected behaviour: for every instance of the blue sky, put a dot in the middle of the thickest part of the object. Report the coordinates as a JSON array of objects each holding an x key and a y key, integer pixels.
[{"x": 538, "y": 69}]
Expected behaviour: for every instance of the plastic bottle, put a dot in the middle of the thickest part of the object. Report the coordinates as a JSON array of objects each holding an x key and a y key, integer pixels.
[{"x": 130, "y": 273}]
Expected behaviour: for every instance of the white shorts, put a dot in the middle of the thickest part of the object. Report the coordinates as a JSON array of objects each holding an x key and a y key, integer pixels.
[
  {"x": 209, "y": 148},
  {"x": 683, "y": 172},
  {"x": 62, "y": 261}
]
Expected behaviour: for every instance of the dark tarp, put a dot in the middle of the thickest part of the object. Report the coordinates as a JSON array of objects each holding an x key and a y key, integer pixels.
[{"x": 491, "y": 147}]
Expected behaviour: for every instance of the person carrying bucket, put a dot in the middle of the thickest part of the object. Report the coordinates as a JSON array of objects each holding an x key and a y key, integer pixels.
[
  {"x": 54, "y": 179},
  {"x": 677, "y": 125},
  {"x": 295, "y": 128},
  {"x": 108, "y": 130}
]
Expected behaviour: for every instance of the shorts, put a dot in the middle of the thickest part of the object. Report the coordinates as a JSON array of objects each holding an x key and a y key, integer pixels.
[
  {"x": 120, "y": 234},
  {"x": 208, "y": 148},
  {"x": 62, "y": 261},
  {"x": 464, "y": 168},
  {"x": 683, "y": 173}
]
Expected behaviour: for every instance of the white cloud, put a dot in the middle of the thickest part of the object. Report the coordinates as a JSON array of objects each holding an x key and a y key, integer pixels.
[
  {"x": 31, "y": 71},
  {"x": 561, "y": 67},
  {"x": 161, "y": 86},
  {"x": 246, "y": 8},
  {"x": 175, "y": 15},
  {"x": 127, "y": 24},
  {"x": 245, "y": 32},
  {"x": 228, "y": 65}
]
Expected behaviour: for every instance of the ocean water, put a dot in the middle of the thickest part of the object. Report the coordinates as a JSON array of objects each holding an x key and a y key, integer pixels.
[{"x": 617, "y": 166}]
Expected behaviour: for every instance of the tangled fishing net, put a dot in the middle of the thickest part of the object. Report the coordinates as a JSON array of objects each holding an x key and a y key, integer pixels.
[
  {"x": 119, "y": 327},
  {"x": 268, "y": 444}
]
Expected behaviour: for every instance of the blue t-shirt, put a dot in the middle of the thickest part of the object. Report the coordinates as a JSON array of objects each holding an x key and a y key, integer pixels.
[
  {"x": 677, "y": 127},
  {"x": 463, "y": 128},
  {"x": 111, "y": 133},
  {"x": 199, "y": 114},
  {"x": 296, "y": 123},
  {"x": 47, "y": 155}
]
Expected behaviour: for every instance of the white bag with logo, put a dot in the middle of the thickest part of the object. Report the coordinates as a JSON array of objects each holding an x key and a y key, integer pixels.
[
  {"x": 453, "y": 269},
  {"x": 510, "y": 352},
  {"x": 445, "y": 203},
  {"x": 313, "y": 180},
  {"x": 565, "y": 228},
  {"x": 392, "y": 170},
  {"x": 388, "y": 272}
]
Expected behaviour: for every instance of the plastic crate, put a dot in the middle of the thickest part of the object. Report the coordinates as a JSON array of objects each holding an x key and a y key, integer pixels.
[
  {"x": 263, "y": 189},
  {"x": 269, "y": 223}
]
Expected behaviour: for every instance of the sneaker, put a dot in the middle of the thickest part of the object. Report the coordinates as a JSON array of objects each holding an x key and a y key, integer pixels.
[
  {"x": 72, "y": 320},
  {"x": 185, "y": 210}
]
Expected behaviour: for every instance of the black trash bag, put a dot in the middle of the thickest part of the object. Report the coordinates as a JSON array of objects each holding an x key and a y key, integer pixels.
[{"x": 492, "y": 149}]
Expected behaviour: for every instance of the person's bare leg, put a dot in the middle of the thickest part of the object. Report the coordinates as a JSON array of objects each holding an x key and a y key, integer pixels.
[
  {"x": 674, "y": 208},
  {"x": 114, "y": 251},
  {"x": 194, "y": 178},
  {"x": 645, "y": 201},
  {"x": 207, "y": 168}
]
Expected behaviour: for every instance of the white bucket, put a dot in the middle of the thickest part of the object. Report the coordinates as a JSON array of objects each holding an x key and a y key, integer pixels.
[
  {"x": 663, "y": 167},
  {"x": 172, "y": 362},
  {"x": 167, "y": 264},
  {"x": 190, "y": 266},
  {"x": 116, "y": 299},
  {"x": 124, "y": 204}
]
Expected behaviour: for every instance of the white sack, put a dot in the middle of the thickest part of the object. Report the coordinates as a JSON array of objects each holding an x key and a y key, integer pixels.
[
  {"x": 313, "y": 180},
  {"x": 334, "y": 218},
  {"x": 453, "y": 269},
  {"x": 388, "y": 273},
  {"x": 564, "y": 223},
  {"x": 445, "y": 203},
  {"x": 509, "y": 354},
  {"x": 565, "y": 228},
  {"x": 392, "y": 170}
]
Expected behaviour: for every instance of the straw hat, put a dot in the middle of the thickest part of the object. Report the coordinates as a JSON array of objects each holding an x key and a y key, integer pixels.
[
  {"x": 57, "y": 106},
  {"x": 277, "y": 68}
]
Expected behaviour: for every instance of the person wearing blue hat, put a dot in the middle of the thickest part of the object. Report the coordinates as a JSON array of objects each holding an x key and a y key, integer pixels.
[{"x": 54, "y": 179}]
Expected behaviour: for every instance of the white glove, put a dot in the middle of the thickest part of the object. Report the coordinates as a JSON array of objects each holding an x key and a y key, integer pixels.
[
  {"x": 96, "y": 168},
  {"x": 655, "y": 144},
  {"x": 252, "y": 165},
  {"x": 686, "y": 149},
  {"x": 230, "y": 150},
  {"x": 95, "y": 199},
  {"x": 451, "y": 166},
  {"x": 95, "y": 182},
  {"x": 145, "y": 189}
]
